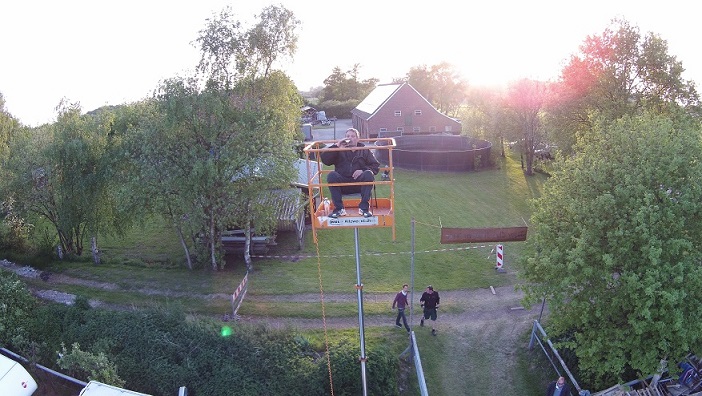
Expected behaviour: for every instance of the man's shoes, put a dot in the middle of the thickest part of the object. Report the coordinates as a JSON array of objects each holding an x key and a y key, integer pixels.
[
  {"x": 365, "y": 213},
  {"x": 398, "y": 325},
  {"x": 337, "y": 213},
  {"x": 433, "y": 332},
  {"x": 421, "y": 322}
]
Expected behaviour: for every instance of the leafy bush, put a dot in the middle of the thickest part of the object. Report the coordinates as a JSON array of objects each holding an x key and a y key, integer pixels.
[
  {"x": 14, "y": 230},
  {"x": 346, "y": 370},
  {"x": 158, "y": 351},
  {"x": 94, "y": 367},
  {"x": 337, "y": 109},
  {"x": 16, "y": 307}
]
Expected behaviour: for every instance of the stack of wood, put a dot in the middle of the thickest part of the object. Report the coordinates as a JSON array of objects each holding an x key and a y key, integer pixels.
[{"x": 234, "y": 242}]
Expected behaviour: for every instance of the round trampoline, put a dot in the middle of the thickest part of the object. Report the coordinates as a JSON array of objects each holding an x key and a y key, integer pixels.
[{"x": 438, "y": 153}]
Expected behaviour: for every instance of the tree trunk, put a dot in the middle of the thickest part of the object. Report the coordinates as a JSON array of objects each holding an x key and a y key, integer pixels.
[
  {"x": 65, "y": 241},
  {"x": 213, "y": 243},
  {"x": 188, "y": 259},
  {"x": 79, "y": 241},
  {"x": 179, "y": 230},
  {"x": 529, "y": 149},
  {"x": 94, "y": 249},
  {"x": 247, "y": 246}
]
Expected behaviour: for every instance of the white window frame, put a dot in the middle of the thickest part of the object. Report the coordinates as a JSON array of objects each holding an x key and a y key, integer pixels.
[
  {"x": 400, "y": 129},
  {"x": 416, "y": 129},
  {"x": 418, "y": 112},
  {"x": 398, "y": 113},
  {"x": 383, "y": 129}
]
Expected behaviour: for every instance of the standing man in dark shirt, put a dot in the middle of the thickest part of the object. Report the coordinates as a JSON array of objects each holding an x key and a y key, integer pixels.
[
  {"x": 430, "y": 302},
  {"x": 356, "y": 165}
]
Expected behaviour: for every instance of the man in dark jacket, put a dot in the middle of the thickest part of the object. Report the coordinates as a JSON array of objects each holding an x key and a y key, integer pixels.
[
  {"x": 430, "y": 302},
  {"x": 355, "y": 165},
  {"x": 558, "y": 388}
]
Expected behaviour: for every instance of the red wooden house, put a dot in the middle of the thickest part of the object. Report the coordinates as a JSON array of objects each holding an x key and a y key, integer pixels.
[{"x": 398, "y": 109}]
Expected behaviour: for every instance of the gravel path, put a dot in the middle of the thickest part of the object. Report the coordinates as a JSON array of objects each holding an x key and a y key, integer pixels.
[
  {"x": 481, "y": 309},
  {"x": 479, "y": 306}
]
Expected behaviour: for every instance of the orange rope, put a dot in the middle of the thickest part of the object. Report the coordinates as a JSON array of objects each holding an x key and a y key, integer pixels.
[{"x": 324, "y": 316}]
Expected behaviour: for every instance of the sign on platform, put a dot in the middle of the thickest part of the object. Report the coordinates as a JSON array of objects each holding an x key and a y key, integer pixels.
[
  {"x": 352, "y": 221},
  {"x": 469, "y": 235}
]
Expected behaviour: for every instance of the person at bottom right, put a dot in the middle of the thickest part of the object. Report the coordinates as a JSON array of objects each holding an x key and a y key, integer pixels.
[{"x": 558, "y": 388}]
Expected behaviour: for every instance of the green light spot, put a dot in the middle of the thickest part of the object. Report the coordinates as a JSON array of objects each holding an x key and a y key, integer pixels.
[{"x": 226, "y": 331}]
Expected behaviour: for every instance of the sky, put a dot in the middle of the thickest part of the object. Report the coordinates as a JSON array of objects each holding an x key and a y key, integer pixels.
[{"x": 101, "y": 53}]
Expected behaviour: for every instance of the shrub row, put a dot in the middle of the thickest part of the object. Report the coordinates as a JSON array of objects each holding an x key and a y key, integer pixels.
[{"x": 158, "y": 351}]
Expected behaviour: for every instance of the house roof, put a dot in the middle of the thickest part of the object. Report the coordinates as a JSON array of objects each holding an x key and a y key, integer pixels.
[
  {"x": 378, "y": 97},
  {"x": 288, "y": 205},
  {"x": 305, "y": 170}
]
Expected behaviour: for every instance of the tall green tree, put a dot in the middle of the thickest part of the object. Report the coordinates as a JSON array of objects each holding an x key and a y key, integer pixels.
[
  {"x": 617, "y": 238},
  {"x": 347, "y": 86},
  {"x": 616, "y": 73},
  {"x": 526, "y": 100},
  {"x": 8, "y": 127},
  {"x": 229, "y": 51},
  {"x": 61, "y": 172},
  {"x": 487, "y": 116},
  {"x": 441, "y": 85},
  {"x": 14, "y": 229},
  {"x": 133, "y": 203},
  {"x": 211, "y": 154},
  {"x": 220, "y": 141}
]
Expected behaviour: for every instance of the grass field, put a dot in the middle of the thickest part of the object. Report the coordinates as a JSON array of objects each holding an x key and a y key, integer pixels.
[{"x": 150, "y": 259}]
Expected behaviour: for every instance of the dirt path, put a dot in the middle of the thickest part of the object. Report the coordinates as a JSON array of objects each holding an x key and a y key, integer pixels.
[{"x": 480, "y": 307}]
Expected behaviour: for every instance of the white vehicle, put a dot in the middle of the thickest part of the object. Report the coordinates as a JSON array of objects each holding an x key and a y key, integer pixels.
[
  {"x": 322, "y": 118},
  {"x": 14, "y": 379},
  {"x": 95, "y": 388}
]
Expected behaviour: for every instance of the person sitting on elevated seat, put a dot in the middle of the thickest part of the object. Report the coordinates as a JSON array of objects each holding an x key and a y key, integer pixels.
[{"x": 356, "y": 165}]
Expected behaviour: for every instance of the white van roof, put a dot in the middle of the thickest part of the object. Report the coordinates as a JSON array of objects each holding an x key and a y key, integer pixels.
[
  {"x": 95, "y": 388},
  {"x": 14, "y": 379}
]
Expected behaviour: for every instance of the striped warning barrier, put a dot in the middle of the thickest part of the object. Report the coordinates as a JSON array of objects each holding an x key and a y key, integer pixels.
[
  {"x": 500, "y": 258},
  {"x": 241, "y": 288}
]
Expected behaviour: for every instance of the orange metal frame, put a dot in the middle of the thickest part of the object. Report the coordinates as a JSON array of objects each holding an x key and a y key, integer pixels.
[{"x": 383, "y": 208}]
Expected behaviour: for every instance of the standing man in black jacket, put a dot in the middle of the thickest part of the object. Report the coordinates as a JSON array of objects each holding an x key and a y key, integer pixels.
[
  {"x": 430, "y": 302},
  {"x": 355, "y": 165}
]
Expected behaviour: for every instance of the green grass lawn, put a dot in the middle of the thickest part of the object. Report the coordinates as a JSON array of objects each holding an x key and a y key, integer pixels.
[{"x": 151, "y": 260}]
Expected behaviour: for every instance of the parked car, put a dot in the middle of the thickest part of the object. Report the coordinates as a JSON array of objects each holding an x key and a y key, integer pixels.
[{"x": 14, "y": 379}]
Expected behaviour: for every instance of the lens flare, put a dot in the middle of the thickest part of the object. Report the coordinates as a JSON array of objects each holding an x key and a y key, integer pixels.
[{"x": 226, "y": 331}]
